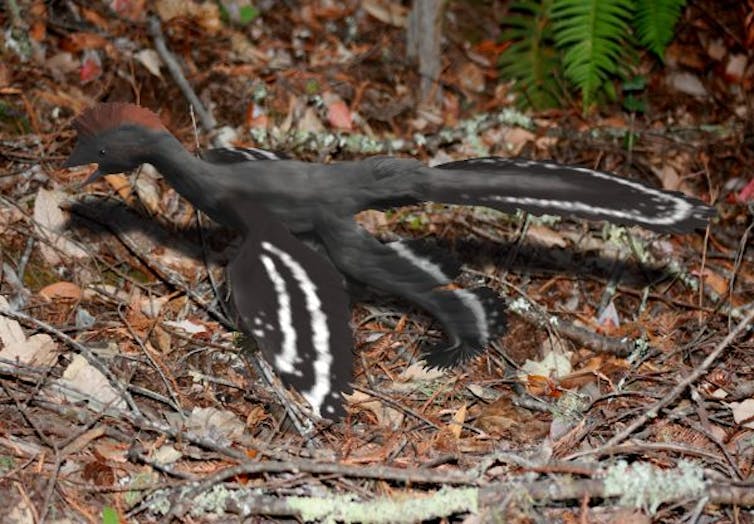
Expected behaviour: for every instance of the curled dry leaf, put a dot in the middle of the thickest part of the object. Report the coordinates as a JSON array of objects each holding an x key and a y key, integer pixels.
[
  {"x": 187, "y": 326},
  {"x": 51, "y": 225},
  {"x": 147, "y": 188},
  {"x": 552, "y": 365},
  {"x": 150, "y": 60},
  {"x": 85, "y": 382},
  {"x": 386, "y": 416},
  {"x": 387, "y": 11},
  {"x": 455, "y": 426}
]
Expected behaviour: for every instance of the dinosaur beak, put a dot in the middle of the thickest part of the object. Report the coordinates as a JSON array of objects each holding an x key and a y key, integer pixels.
[
  {"x": 79, "y": 157},
  {"x": 91, "y": 178}
]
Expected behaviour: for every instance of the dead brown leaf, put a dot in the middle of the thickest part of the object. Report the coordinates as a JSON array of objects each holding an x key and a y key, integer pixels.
[
  {"x": 61, "y": 289},
  {"x": 456, "y": 424}
]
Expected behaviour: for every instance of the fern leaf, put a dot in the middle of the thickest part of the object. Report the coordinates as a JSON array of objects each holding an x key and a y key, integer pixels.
[
  {"x": 592, "y": 34},
  {"x": 532, "y": 59},
  {"x": 655, "y": 23}
]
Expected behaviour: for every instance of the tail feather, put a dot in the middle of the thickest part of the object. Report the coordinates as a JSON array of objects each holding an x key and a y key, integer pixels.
[
  {"x": 549, "y": 188},
  {"x": 471, "y": 318}
]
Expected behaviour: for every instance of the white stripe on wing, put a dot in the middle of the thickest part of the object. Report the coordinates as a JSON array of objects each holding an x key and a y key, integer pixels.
[
  {"x": 320, "y": 331},
  {"x": 286, "y": 360}
]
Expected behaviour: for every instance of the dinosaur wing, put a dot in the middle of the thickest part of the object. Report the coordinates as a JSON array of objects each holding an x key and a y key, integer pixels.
[{"x": 294, "y": 303}]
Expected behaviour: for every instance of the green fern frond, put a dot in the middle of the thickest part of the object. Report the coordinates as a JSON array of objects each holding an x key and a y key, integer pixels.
[
  {"x": 532, "y": 59},
  {"x": 655, "y": 23},
  {"x": 592, "y": 34}
]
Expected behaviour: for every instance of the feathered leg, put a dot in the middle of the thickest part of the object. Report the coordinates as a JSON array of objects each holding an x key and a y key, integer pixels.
[{"x": 470, "y": 319}]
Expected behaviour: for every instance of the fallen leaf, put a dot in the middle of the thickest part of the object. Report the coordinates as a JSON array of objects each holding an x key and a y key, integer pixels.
[
  {"x": 484, "y": 393},
  {"x": 417, "y": 372},
  {"x": 339, "y": 115},
  {"x": 94, "y": 18},
  {"x": 10, "y": 330},
  {"x": 502, "y": 417},
  {"x": 161, "y": 339},
  {"x": 455, "y": 426},
  {"x": 218, "y": 425},
  {"x": 516, "y": 138},
  {"x": 471, "y": 77},
  {"x": 61, "y": 289},
  {"x": 51, "y": 223},
  {"x": 37, "y": 350},
  {"x": 150, "y": 60},
  {"x": 256, "y": 116},
  {"x": 121, "y": 184},
  {"x": 499, "y": 417},
  {"x": 310, "y": 122},
  {"x": 206, "y": 14},
  {"x": 387, "y": 11},
  {"x": 669, "y": 177},
  {"x": 91, "y": 67},
  {"x": 747, "y": 193},
  {"x": 545, "y": 236},
  {"x": 386, "y": 415},
  {"x": 62, "y": 64},
  {"x": 80, "y": 377},
  {"x": 687, "y": 83},
  {"x": 147, "y": 188},
  {"x": 717, "y": 282},
  {"x": 743, "y": 412},
  {"x": 166, "y": 454},
  {"x": 552, "y": 365},
  {"x": 735, "y": 69},
  {"x": 608, "y": 317},
  {"x": 131, "y": 9},
  {"x": 77, "y": 42},
  {"x": 111, "y": 450},
  {"x": 190, "y": 328}
]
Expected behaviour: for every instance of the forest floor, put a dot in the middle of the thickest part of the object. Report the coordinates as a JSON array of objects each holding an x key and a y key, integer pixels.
[{"x": 623, "y": 390}]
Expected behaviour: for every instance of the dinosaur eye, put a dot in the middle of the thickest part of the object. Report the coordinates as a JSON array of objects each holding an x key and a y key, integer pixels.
[{"x": 101, "y": 152}]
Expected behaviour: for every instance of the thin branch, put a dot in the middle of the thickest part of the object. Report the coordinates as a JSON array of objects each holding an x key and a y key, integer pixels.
[{"x": 205, "y": 117}]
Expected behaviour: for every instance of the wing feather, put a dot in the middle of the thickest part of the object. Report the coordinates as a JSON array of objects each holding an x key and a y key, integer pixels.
[{"x": 294, "y": 303}]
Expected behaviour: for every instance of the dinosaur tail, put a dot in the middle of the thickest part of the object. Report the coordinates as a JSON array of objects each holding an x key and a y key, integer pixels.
[{"x": 549, "y": 188}]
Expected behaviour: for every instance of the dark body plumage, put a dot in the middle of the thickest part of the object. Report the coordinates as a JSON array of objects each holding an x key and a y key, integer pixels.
[{"x": 291, "y": 298}]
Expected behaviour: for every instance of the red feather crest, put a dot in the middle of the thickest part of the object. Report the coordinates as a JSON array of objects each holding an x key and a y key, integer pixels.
[{"x": 97, "y": 119}]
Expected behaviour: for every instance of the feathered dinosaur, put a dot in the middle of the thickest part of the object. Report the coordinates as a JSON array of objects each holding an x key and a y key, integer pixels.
[{"x": 292, "y": 298}]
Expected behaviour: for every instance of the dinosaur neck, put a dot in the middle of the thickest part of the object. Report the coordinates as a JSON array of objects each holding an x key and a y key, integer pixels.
[{"x": 193, "y": 178}]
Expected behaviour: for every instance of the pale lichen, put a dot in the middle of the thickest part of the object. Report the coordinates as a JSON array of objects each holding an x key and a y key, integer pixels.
[
  {"x": 520, "y": 305},
  {"x": 642, "y": 485},
  {"x": 445, "y": 502}
]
